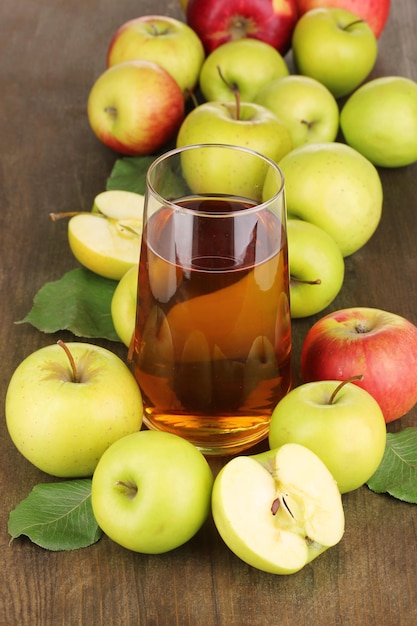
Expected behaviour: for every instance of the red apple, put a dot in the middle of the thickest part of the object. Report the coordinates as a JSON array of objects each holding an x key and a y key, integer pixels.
[
  {"x": 375, "y": 12},
  {"x": 217, "y": 21},
  {"x": 380, "y": 346},
  {"x": 135, "y": 107}
]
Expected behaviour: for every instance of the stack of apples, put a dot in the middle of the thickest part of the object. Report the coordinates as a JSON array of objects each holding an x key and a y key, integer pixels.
[
  {"x": 236, "y": 57},
  {"x": 75, "y": 410}
]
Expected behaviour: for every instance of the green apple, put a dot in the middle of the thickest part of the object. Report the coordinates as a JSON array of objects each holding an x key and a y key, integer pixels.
[
  {"x": 164, "y": 40},
  {"x": 305, "y": 106},
  {"x": 248, "y": 125},
  {"x": 135, "y": 107},
  {"x": 151, "y": 491},
  {"x": 123, "y": 305},
  {"x": 380, "y": 121},
  {"x": 335, "y": 47},
  {"x": 107, "y": 240},
  {"x": 65, "y": 407},
  {"x": 339, "y": 421},
  {"x": 278, "y": 510},
  {"x": 317, "y": 268},
  {"x": 334, "y": 187},
  {"x": 243, "y": 65}
]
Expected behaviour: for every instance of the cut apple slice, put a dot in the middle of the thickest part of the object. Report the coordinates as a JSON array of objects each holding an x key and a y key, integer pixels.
[
  {"x": 107, "y": 240},
  {"x": 278, "y": 510}
]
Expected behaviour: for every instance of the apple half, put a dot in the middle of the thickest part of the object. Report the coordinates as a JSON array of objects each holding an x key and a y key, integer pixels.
[
  {"x": 107, "y": 240},
  {"x": 278, "y": 510}
]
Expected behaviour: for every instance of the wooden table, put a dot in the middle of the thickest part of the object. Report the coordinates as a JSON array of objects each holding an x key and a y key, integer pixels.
[{"x": 51, "y": 51}]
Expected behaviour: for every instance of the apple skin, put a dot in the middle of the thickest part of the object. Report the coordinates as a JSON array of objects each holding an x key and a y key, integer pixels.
[
  {"x": 257, "y": 128},
  {"x": 278, "y": 510},
  {"x": 348, "y": 435},
  {"x": 123, "y": 305},
  {"x": 334, "y": 47},
  {"x": 380, "y": 345},
  {"x": 217, "y": 21},
  {"x": 380, "y": 121},
  {"x": 164, "y": 40},
  {"x": 335, "y": 187},
  {"x": 375, "y": 12},
  {"x": 308, "y": 108},
  {"x": 313, "y": 255},
  {"x": 151, "y": 491},
  {"x": 61, "y": 426},
  {"x": 135, "y": 107},
  {"x": 246, "y": 64}
]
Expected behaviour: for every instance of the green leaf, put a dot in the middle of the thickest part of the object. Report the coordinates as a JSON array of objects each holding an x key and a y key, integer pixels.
[
  {"x": 57, "y": 516},
  {"x": 129, "y": 174},
  {"x": 80, "y": 302},
  {"x": 397, "y": 473}
]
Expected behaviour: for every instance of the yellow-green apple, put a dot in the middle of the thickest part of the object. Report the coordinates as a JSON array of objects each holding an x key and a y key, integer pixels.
[
  {"x": 123, "y": 305},
  {"x": 335, "y": 47},
  {"x": 243, "y": 66},
  {"x": 249, "y": 125},
  {"x": 135, "y": 107},
  {"x": 307, "y": 108},
  {"x": 151, "y": 491},
  {"x": 278, "y": 510},
  {"x": 164, "y": 40},
  {"x": 66, "y": 404},
  {"x": 339, "y": 421},
  {"x": 217, "y": 22},
  {"x": 380, "y": 345},
  {"x": 107, "y": 240},
  {"x": 335, "y": 187},
  {"x": 375, "y": 12},
  {"x": 317, "y": 268},
  {"x": 380, "y": 121}
]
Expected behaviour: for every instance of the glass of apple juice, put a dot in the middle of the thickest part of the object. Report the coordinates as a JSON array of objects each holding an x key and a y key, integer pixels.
[{"x": 212, "y": 345}]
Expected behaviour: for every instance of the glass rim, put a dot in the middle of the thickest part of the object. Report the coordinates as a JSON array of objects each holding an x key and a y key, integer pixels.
[{"x": 251, "y": 209}]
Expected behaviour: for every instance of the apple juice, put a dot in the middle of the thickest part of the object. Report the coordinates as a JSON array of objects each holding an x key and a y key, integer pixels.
[{"x": 212, "y": 348}]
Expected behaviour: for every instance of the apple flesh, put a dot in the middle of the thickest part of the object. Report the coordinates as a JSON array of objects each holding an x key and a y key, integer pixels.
[
  {"x": 151, "y": 491},
  {"x": 380, "y": 345},
  {"x": 63, "y": 424},
  {"x": 380, "y": 121},
  {"x": 107, "y": 240},
  {"x": 243, "y": 66},
  {"x": 164, "y": 40},
  {"x": 135, "y": 108},
  {"x": 217, "y": 22},
  {"x": 375, "y": 12},
  {"x": 278, "y": 510}
]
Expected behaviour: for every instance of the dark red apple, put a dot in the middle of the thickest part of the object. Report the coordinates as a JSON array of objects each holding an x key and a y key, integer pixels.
[
  {"x": 219, "y": 21},
  {"x": 380, "y": 346},
  {"x": 375, "y": 12}
]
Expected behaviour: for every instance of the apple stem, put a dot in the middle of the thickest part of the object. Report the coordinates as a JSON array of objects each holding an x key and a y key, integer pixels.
[
  {"x": 130, "y": 488},
  {"x": 59, "y": 216},
  {"x": 342, "y": 384},
  {"x": 64, "y": 346},
  {"x": 358, "y": 21},
  {"x": 234, "y": 89},
  {"x": 305, "y": 282}
]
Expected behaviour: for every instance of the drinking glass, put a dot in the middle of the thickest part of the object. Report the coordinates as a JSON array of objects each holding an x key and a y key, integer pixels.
[{"x": 212, "y": 345}]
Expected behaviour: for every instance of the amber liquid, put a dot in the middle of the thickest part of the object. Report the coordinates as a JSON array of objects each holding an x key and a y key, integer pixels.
[{"x": 212, "y": 351}]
